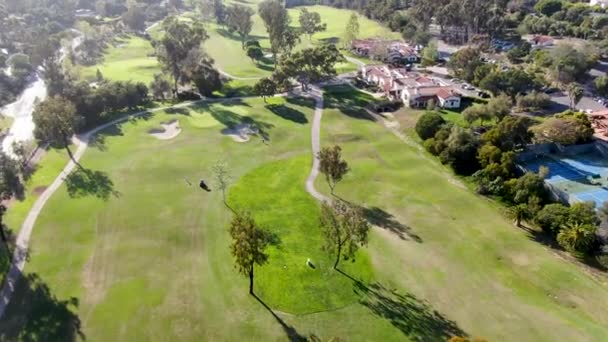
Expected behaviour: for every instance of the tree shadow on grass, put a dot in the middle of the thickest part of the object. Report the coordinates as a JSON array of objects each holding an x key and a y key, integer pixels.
[
  {"x": 385, "y": 220},
  {"x": 290, "y": 331},
  {"x": 36, "y": 314},
  {"x": 85, "y": 182},
  {"x": 413, "y": 316},
  {"x": 226, "y": 34},
  {"x": 287, "y": 113},
  {"x": 231, "y": 120},
  {"x": 301, "y": 101},
  {"x": 350, "y": 102},
  {"x": 178, "y": 111}
]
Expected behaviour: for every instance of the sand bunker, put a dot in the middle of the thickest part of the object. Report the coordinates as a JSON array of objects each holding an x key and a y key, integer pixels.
[
  {"x": 168, "y": 131},
  {"x": 241, "y": 133}
]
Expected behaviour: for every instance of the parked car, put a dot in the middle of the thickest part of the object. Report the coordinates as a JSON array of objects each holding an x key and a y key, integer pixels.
[{"x": 466, "y": 86}]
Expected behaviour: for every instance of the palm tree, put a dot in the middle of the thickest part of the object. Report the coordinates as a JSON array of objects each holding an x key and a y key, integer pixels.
[
  {"x": 577, "y": 237},
  {"x": 518, "y": 213}
]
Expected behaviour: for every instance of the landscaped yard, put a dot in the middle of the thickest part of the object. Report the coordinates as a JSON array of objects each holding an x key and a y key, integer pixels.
[{"x": 152, "y": 262}]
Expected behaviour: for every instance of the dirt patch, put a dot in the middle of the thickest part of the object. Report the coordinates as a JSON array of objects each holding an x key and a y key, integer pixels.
[
  {"x": 241, "y": 133},
  {"x": 169, "y": 130},
  {"x": 39, "y": 190}
]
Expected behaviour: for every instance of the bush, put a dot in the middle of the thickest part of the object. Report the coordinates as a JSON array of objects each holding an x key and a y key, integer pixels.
[
  {"x": 552, "y": 217},
  {"x": 428, "y": 124},
  {"x": 533, "y": 101},
  {"x": 602, "y": 256}
]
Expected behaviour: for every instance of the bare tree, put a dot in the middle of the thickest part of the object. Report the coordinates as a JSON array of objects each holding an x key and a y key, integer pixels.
[{"x": 221, "y": 176}]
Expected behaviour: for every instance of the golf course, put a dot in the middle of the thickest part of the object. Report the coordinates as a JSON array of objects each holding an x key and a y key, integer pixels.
[{"x": 129, "y": 247}]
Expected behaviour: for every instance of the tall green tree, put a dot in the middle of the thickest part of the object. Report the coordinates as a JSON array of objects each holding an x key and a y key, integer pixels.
[
  {"x": 311, "y": 64},
  {"x": 332, "y": 166},
  {"x": 10, "y": 179},
  {"x": 601, "y": 85},
  {"x": 179, "y": 40},
  {"x": 248, "y": 245},
  {"x": 56, "y": 122},
  {"x": 310, "y": 22},
  {"x": 345, "y": 230},
  {"x": 464, "y": 62},
  {"x": 265, "y": 87},
  {"x": 352, "y": 30},
  {"x": 283, "y": 38},
  {"x": 239, "y": 20}
]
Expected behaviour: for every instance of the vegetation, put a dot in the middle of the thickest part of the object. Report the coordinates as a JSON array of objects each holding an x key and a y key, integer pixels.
[
  {"x": 332, "y": 166},
  {"x": 248, "y": 245},
  {"x": 345, "y": 229},
  {"x": 238, "y": 19}
]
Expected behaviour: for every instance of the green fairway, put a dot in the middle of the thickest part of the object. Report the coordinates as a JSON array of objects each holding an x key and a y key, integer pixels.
[
  {"x": 152, "y": 262},
  {"x": 127, "y": 59}
]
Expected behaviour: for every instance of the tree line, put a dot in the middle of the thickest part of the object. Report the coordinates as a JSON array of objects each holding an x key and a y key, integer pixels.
[{"x": 489, "y": 159}]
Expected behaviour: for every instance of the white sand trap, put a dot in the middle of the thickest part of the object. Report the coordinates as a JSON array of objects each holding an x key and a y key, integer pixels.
[
  {"x": 168, "y": 131},
  {"x": 241, "y": 133}
]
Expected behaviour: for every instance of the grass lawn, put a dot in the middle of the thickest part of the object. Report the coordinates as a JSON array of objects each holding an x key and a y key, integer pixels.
[
  {"x": 128, "y": 59},
  {"x": 152, "y": 262},
  {"x": 5, "y": 123}
]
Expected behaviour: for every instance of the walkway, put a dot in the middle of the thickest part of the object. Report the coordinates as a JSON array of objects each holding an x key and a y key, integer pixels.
[{"x": 317, "y": 94}]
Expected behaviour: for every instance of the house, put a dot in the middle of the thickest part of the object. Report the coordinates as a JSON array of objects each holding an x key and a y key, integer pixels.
[
  {"x": 599, "y": 122},
  {"x": 413, "y": 89},
  {"x": 396, "y": 50},
  {"x": 541, "y": 41},
  {"x": 443, "y": 96}
]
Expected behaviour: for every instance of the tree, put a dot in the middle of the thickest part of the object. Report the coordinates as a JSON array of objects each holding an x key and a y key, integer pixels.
[
  {"x": 265, "y": 87},
  {"x": 238, "y": 19},
  {"x": 461, "y": 151},
  {"x": 3, "y": 231},
  {"x": 510, "y": 133},
  {"x": 179, "y": 40},
  {"x": 577, "y": 237},
  {"x": 135, "y": 18},
  {"x": 548, "y": 7},
  {"x": 276, "y": 19},
  {"x": 221, "y": 176},
  {"x": 56, "y": 122},
  {"x": 552, "y": 217},
  {"x": 332, "y": 165},
  {"x": 564, "y": 131},
  {"x": 255, "y": 53},
  {"x": 499, "y": 107},
  {"x": 601, "y": 85},
  {"x": 352, "y": 29},
  {"x": 248, "y": 245},
  {"x": 310, "y": 22},
  {"x": 518, "y": 213},
  {"x": 428, "y": 124},
  {"x": 219, "y": 11},
  {"x": 160, "y": 86},
  {"x": 345, "y": 229},
  {"x": 10, "y": 180},
  {"x": 575, "y": 94},
  {"x": 430, "y": 54},
  {"x": 464, "y": 62},
  {"x": 311, "y": 64}
]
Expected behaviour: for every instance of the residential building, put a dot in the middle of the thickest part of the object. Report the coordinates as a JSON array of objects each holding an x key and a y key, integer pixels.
[
  {"x": 541, "y": 41},
  {"x": 394, "y": 51},
  {"x": 413, "y": 89}
]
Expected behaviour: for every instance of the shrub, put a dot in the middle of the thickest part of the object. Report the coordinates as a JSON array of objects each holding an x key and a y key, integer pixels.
[{"x": 428, "y": 124}]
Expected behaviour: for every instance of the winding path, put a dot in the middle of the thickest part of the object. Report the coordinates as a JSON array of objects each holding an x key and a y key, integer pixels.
[{"x": 317, "y": 94}]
